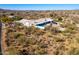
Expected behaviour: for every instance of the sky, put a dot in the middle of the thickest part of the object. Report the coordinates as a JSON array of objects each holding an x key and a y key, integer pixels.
[{"x": 40, "y": 6}]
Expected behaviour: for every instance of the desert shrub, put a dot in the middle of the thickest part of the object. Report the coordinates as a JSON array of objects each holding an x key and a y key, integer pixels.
[
  {"x": 60, "y": 19},
  {"x": 54, "y": 30},
  {"x": 43, "y": 45},
  {"x": 77, "y": 40},
  {"x": 6, "y": 19},
  {"x": 74, "y": 51},
  {"x": 40, "y": 52},
  {"x": 12, "y": 50},
  {"x": 21, "y": 39},
  {"x": 17, "y": 18},
  {"x": 23, "y": 52},
  {"x": 17, "y": 34},
  {"x": 31, "y": 40}
]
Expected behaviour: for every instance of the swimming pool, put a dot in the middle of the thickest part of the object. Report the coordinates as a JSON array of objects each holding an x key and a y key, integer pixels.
[{"x": 42, "y": 25}]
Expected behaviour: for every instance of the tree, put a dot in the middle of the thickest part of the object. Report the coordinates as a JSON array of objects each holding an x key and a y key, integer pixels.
[{"x": 12, "y": 14}]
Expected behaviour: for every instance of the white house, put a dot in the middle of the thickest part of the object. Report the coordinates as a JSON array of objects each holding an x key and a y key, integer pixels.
[{"x": 39, "y": 23}]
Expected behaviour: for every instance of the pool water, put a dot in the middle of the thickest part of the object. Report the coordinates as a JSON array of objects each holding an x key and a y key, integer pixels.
[
  {"x": 43, "y": 24},
  {"x": 40, "y": 27}
]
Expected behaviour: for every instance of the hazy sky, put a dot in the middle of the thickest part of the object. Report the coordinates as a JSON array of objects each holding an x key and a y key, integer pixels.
[{"x": 40, "y": 6}]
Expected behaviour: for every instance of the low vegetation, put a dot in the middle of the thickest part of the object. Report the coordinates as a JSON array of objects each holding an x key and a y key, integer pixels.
[{"x": 22, "y": 40}]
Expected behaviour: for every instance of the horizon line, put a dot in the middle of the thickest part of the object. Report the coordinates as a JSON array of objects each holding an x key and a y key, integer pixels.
[
  {"x": 35, "y": 9},
  {"x": 40, "y": 6}
]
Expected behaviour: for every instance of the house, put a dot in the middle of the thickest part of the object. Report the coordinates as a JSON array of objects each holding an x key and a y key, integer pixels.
[
  {"x": 39, "y": 23},
  {"x": 26, "y": 22}
]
